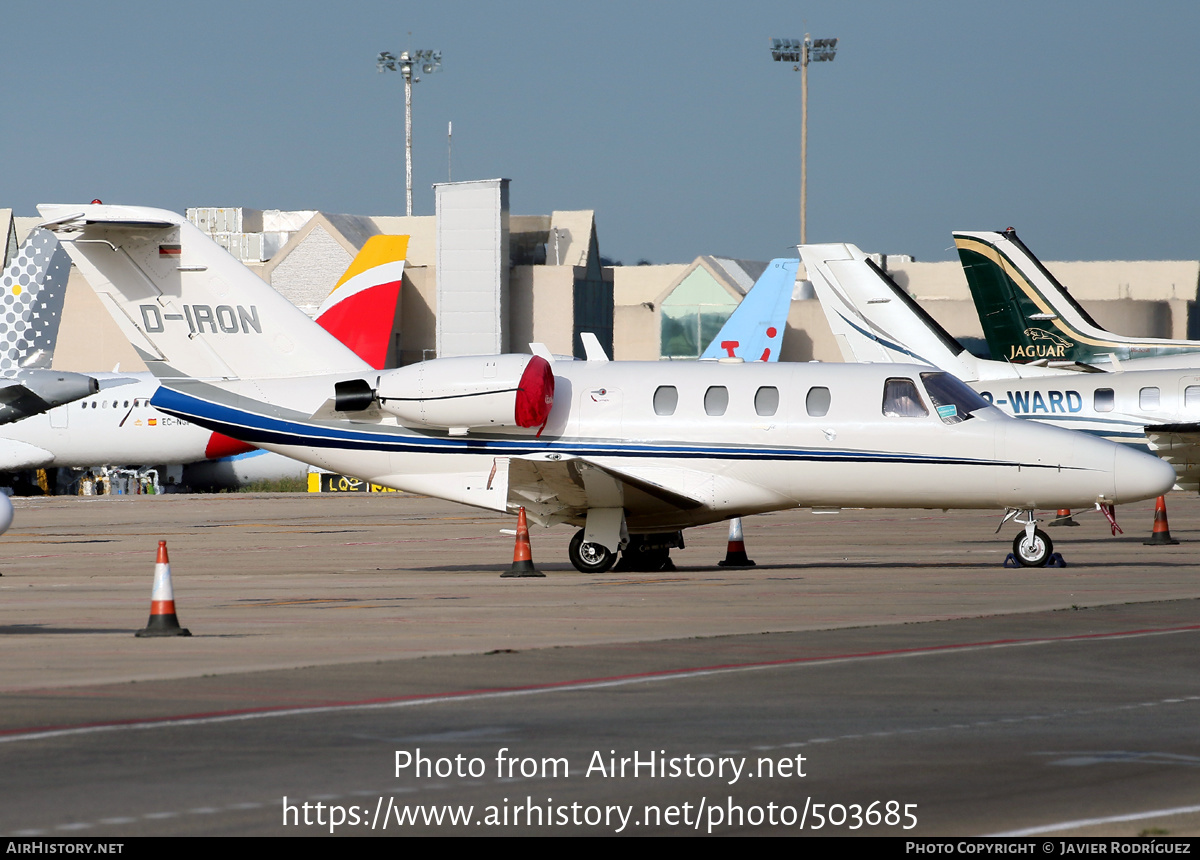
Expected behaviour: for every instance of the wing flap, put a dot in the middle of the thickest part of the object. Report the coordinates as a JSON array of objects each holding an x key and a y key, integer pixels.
[
  {"x": 555, "y": 488},
  {"x": 1179, "y": 445}
]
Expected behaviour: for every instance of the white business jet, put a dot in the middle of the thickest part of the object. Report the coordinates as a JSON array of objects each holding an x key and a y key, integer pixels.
[{"x": 633, "y": 452}]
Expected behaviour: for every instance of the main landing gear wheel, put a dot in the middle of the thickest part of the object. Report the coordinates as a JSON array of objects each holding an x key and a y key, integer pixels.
[
  {"x": 1033, "y": 551},
  {"x": 590, "y": 557}
]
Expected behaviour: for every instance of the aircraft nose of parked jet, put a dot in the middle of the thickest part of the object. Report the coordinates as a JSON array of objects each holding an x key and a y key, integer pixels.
[
  {"x": 1140, "y": 476},
  {"x": 1058, "y": 465}
]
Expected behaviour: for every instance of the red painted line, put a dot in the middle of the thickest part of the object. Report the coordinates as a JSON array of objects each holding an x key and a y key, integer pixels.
[{"x": 577, "y": 683}]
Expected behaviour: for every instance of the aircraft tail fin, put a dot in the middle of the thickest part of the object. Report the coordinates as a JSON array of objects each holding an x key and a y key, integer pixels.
[
  {"x": 361, "y": 309},
  {"x": 33, "y": 288},
  {"x": 873, "y": 319},
  {"x": 187, "y": 306},
  {"x": 1025, "y": 312},
  {"x": 754, "y": 332}
]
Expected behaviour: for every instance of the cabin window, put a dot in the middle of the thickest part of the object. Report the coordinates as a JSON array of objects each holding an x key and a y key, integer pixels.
[
  {"x": 766, "y": 400},
  {"x": 902, "y": 400},
  {"x": 666, "y": 398},
  {"x": 1104, "y": 400},
  {"x": 817, "y": 401},
  {"x": 1148, "y": 399},
  {"x": 1191, "y": 397},
  {"x": 951, "y": 397},
  {"x": 716, "y": 400}
]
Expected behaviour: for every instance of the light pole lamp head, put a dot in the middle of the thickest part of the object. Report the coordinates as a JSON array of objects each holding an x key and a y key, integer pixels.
[
  {"x": 431, "y": 61},
  {"x": 786, "y": 50},
  {"x": 821, "y": 50},
  {"x": 386, "y": 61},
  {"x": 801, "y": 52}
]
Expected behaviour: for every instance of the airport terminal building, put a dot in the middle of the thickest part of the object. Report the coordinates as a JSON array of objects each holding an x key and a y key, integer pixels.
[{"x": 479, "y": 279}]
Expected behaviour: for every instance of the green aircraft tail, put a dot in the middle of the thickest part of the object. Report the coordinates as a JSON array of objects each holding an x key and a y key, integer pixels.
[{"x": 1020, "y": 321}]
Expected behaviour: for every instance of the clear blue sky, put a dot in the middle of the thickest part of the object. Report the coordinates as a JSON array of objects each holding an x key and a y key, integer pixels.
[{"x": 1076, "y": 122}]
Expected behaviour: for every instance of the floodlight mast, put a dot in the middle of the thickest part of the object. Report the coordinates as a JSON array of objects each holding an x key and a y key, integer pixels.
[
  {"x": 431, "y": 61},
  {"x": 801, "y": 53}
]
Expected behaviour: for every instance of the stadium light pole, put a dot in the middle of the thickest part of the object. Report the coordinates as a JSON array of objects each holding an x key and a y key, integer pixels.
[
  {"x": 800, "y": 53},
  {"x": 430, "y": 62}
]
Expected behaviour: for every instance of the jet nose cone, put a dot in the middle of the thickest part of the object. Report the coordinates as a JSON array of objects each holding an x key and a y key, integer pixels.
[{"x": 1139, "y": 476}]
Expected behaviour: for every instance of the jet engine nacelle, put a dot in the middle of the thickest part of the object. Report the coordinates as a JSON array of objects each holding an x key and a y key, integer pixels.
[
  {"x": 33, "y": 391},
  {"x": 470, "y": 391},
  {"x": 57, "y": 386}
]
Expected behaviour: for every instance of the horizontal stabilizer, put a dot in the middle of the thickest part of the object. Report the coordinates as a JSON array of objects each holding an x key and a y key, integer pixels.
[{"x": 186, "y": 305}]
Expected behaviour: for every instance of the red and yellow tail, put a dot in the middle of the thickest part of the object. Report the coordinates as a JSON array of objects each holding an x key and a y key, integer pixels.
[{"x": 361, "y": 309}]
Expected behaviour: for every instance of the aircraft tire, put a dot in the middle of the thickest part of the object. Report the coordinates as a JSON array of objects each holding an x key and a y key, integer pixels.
[
  {"x": 590, "y": 557},
  {"x": 1034, "y": 552}
]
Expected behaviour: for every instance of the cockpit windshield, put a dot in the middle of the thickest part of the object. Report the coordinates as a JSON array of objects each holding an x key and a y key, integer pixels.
[{"x": 951, "y": 397}]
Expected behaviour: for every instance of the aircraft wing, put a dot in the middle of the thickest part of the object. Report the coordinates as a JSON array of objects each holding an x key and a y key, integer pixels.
[
  {"x": 557, "y": 488},
  {"x": 17, "y": 402},
  {"x": 1179, "y": 445},
  {"x": 16, "y": 455}
]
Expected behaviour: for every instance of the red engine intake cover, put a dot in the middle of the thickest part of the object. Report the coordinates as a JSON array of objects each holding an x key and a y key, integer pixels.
[{"x": 535, "y": 393}]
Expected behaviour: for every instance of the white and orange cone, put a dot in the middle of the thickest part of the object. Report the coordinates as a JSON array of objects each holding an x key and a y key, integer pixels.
[
  {"x": 735, "y": 553},
  {"x": 163, "y": 621},
  {"x": 522, "y": 564}
]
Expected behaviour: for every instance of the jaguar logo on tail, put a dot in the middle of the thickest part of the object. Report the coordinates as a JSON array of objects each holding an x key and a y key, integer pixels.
[{"x": 1046, "y": 344}]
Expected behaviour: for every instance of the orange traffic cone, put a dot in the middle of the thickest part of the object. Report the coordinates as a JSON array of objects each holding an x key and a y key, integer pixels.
[
  {"x": 1162, "y": 531},
  {"x": 1063, "y": 518},
  {"x": 735, "y": 553},
  {"x": 522, "y": 564},
  {"x": 163, "y": 621}
]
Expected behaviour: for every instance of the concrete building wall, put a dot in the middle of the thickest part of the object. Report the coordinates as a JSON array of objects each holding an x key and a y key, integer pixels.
[
  {"x": 542, "y": 309},
  {"x": 1146, "y": 280},
  {"x": 472, "y": 267},
  {"x": 633, "y": 285},
  {"x": 421, "y": 231},
  {"x": 808, "y": 337},
  {"x": 635, "y": 333},
  {"x": 307, "y": 275},
  {"x": 88, "y": 339},
  {"x": 418, "y": 302}
]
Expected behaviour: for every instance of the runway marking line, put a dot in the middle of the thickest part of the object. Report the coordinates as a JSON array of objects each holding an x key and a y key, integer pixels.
[
  {"x": 237, "y": 715},
  {"x": 1091, "y": 822}
]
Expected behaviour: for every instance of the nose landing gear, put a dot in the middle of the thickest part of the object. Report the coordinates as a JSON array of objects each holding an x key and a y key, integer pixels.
[
  {"x": 1032, "y": 547},
  {"x": 1033, "y": 550}
]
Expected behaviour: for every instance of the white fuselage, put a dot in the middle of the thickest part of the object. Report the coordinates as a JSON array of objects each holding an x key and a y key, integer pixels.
[
  {"x": 116, "y": 426},
  {"x": 732, "y": 463}
]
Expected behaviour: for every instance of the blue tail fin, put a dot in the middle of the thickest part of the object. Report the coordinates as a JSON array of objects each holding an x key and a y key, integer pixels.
[{"x": 755, "y": 330}]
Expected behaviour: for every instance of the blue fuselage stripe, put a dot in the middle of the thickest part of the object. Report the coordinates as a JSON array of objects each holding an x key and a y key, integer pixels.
[{"x": 258, "y": 429}]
